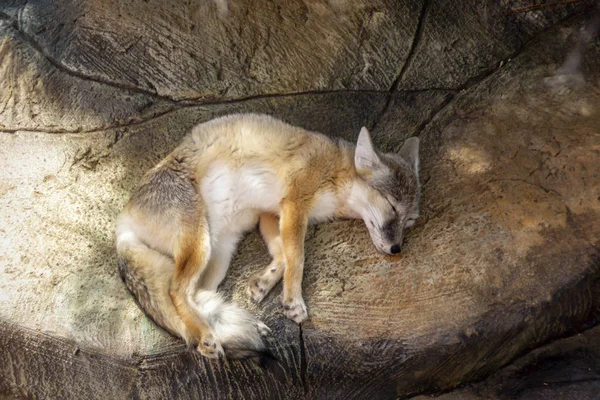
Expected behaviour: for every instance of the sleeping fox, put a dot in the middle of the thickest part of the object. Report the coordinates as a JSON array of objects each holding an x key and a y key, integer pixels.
[{"x": 177, "y": 234}]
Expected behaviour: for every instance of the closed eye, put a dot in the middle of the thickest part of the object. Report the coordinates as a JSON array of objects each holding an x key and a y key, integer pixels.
[
  {"x": 392, "y": 205},
  {"x": 409, "y": 222}
]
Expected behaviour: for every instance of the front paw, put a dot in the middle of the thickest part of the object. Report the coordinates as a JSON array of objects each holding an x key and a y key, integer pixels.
[{"x": 295, "y": 309}]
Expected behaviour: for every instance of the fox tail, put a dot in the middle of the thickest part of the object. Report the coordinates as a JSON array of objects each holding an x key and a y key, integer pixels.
[{"x": 147, "y": 272}]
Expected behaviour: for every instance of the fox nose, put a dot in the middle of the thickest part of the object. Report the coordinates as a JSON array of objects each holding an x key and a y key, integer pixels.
[{"x": 395, "y": 249}]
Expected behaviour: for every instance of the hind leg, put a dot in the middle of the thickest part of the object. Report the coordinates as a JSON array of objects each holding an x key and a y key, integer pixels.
[
  {"x": 220, "y": 259},
  {"x": 261, "y": 284},
  {"x": 192, "y": 255}
]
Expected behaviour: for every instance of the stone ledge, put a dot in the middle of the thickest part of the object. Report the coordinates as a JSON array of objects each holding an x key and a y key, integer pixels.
[{"x": 503, "y": 259}]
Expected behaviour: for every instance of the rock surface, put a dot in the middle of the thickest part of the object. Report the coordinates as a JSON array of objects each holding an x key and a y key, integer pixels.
[
  {"x": 568, "y": 369},
  {"x": 504, "y": 258}
]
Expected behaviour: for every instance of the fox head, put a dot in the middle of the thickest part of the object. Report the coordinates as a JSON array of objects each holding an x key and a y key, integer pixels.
[{"x": 386, "y": 192}]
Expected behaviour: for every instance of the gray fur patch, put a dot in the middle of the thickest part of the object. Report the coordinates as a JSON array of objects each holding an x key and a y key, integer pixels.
[
  {"x": 389, "y": 230},
  {"x": 167, "y": 187},
  {"x": 402, "y": 183},
  {"x": 141, "y": 294}
]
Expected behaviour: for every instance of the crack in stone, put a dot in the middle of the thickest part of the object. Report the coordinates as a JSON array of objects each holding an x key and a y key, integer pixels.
[
  {"x": 171, "y": 99},
  {"x": 192, "y": 102},
  {"x": 471, "y": 82},
  {"x": 184, "y": 103},
  {"x": 413, "y": 47},
  {"x": 303, "y": 360},
  {"x": 61, "y": 67},
  {"x": 547, "y": 191},
  {"x": 411, "y": 52},
  {"x": 188, "y": 104},
  {"x": 447, "y": 100}
]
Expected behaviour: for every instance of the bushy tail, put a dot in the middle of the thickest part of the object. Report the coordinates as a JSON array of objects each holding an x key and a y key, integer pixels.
[
  {"x": 240, "y": 333},
  {"x": 147, "y": 274}
]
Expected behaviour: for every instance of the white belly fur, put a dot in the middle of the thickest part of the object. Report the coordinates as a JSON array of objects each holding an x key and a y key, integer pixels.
[
  {"x": 324, "y": 207},
  {"x": 235, "y": 198}
]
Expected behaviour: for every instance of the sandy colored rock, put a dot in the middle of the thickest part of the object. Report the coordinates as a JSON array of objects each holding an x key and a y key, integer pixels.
[
  {"x": 183, "y": 50},
  {"x": 188, "y": 50},
  {"x": 38, "y": 95},
  {"x": 509, "y": 222},
  {"x": 59, "y": 216},
  {"x": 448, "y": 56},
  {"x": 503, "y": 259}
]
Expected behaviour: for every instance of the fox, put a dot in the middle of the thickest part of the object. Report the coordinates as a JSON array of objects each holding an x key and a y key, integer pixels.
[{"x": 176, "y": 235}]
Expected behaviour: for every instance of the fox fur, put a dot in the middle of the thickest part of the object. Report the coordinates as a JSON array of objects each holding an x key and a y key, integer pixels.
[{"x": 177, "y": 234}]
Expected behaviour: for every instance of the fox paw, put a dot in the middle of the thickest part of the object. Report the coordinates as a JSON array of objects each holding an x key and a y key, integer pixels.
[
  {"x": 295, "y": 309},
  {"x": 209, "y": 347},
  {"x": 258, "y": 287}
]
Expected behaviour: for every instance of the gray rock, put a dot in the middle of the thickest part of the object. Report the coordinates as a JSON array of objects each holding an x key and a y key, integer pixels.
[
  {"x": 463, "y": 40},
  {"x": 567, "y": 369},
  {"x": 183, "y": 50},
  {"x": 503, "y": 259},
  {"x": 40, "y": 95}
]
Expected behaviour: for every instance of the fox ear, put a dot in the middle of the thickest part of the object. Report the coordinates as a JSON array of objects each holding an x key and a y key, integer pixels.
[
  {"x": 365, "y": 156},
  {"x": 410, "y": 153}
]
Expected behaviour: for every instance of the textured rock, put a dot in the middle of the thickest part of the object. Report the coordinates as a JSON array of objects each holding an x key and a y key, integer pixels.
[
  {"x": 503, "y": 259},
  {"x": 187, "y": 50},
  {"x": 447, "y": 55},
  {"x": 71, "y": 192},
  {"x": 37, "y": 94},
  {"x": 567, "y": 369},
  {"x": 509, "y": 231},
  {"x": 181, "y": 50}
]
